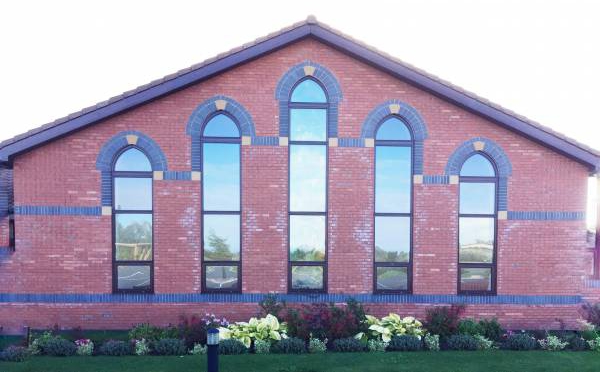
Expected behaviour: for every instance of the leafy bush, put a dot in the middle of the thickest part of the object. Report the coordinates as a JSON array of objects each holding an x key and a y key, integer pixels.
[
  {"x": 38, "y": 344},
  {"x": 262, "y": 347},
  {"x": 519, "y": 341},
  {"x": 578, "y": 344},
  {"x": 115, "y": 348},
  {"x": 348, "y": 345},
  {"x": 145, "y": 331},
  {"x": 170, "y": 346},
  {"x": 462, "y": 342},
  {"x": 432, "y": 342},
  {"x": 594, "y": 345},
  {"x": 490, "y": 329},
  {"x": 270, "y": 304},
  {"x": 389, "y": 326},
  {"x": 316, "y": 346},
  {"x": 193, "y": 329},
  {"x": 405, "y": 343},
  {"x": 85, "y": 347},
  {"x": 14, "y": 354},
  {"x": 265, "y": 329},
  {"x": 552, "y": 343},
  {"x": 483, "y": 343},
  {"x": 58, "y": 346},
  {"x": 469, "y": 327},
  {"x": 443, "y": 320},
  {"x": 377, "y": 346},
  {"x": 591, "y": 313},
  {"x": 142, "y": 347},
  {"x": 199, "y": 349},
  {"x": 232, "y": 347},
  {"x": 589, "y": 335},
  {"x": 290, "y": 345}
]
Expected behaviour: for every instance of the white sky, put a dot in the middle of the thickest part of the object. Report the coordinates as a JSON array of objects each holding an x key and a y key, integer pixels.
[{"x": 538, "y": 58}]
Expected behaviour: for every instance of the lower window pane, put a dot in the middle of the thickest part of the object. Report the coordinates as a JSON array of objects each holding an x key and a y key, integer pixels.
[
  {"x": 476, "y": 239},
  {"x": 221, "y": 277},
  {"x": 392, "y": 278},
  {"x": 133, "y": 277},
  {"x": 475, "y": 279},
  {"x": 392, "y": 239},
  {"x": 221, "y": 237},
  {"x": 307, "y": 238},
  {"x": 307, "y": 277}
]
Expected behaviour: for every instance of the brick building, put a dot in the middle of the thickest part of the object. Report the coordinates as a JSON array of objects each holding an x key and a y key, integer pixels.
[{"x": 305, "y": 164}]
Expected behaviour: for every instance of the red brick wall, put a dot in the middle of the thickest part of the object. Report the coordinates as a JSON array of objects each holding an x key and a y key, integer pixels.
[{"x": 72, "y": 254}]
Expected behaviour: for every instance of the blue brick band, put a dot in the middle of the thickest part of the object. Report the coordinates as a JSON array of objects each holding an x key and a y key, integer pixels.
[
  {"x": 55, "y": 210},
  {"x": 265, "y": 141},
  {"x": 6, "y": 190},
  {"x": 351, "y": 142},
  {"x": 177, "y": 175},
  {"x": 546, "y": 216},
  {"x": 436, "y": 180},
  {"x": 108, "y": 152}
]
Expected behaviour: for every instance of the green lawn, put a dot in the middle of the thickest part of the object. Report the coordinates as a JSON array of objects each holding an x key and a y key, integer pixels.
[{"x": 488, "y": 361}]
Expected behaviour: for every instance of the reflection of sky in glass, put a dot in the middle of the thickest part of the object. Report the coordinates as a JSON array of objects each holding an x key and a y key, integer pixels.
[
  {"x": 133, "y": 193},
  {"x": 477, "y": 165},
  {"x": 476, "y": 279},
  {"x": 221, "y": 177},
  {"x": 133, "y": 277},
  {"x": 392, "y": 234},
  {"x": 392, "y": 278},
  {"x": 476, "y": 239},
  {"x": 133, "y": 160},
  {"x": 392, "y": 179},
  {"x": 307, "y": 233},
  {"x": 308, "y": 91},
  {"x": 307, "y": 178},
  {"x": 308, "y": 125},
  {"x": 221, "y": 277},
  {"x": 133, "y": 228},
  {"x": 393, "y": 129},
  {"x": 477, "y": 198},
  {"x": 221, "y": 126},
  {"x": 307, "y": 277},
  {"x": 226, "y": 228}
]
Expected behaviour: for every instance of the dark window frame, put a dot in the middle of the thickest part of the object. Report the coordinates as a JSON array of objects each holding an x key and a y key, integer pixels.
[
  {"x": 116, "y": 263},
  {"x": 205, "y": 263},
  {"x": 493, "y": 265},
  {"x": 409, "y": 265},
  {"x": 11, "y": 231},
  {"x": 308, "y": 105}
]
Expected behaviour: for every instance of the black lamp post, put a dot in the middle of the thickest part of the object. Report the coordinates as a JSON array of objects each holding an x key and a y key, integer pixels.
[{"x": 212, "y": 342}]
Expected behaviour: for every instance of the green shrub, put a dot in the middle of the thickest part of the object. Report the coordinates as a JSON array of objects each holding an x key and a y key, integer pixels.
[
  {"x": 469, "y": 327},
  {"x": 316, "y": 346},
  {"x": 152, "y": 333},
  {"x": 520, "y": 341},
  {"x": 59, "y": 347},
  {"x": 115, "y": 348},
  {"x": 483, "y": 343},
  {"x": 377, "y": 346},
  {"x": 232, "y": 347},
  {"x": 270, "y": 304},
  {"x": 432, "y": 342},
  {"x": 290, "y": 345},
  {"x": 262, "y": 347},
  {"x": 142, "y": 347},
  {"x": 405, "y": 343},
  {"x": 552, "y": 343},
  {"x": 462, "y": 342},
  {"x": 491, "y": 329},
  {"x": 443, "y": 320},
  {"x": 14, "y": 354},
  {"x": 594, "y": 345},
  {"x": 199, "y": 349},
  {"x": 348, "y": 345},
  {"x": 39, "y": 343},
  {"x": 389, "y": 326},
  {"x": 578, "y": 344},
  {"x": 266, "y": 329},
  {"x": 589, "y": 334},
  {"x": 170, "y": 346}
]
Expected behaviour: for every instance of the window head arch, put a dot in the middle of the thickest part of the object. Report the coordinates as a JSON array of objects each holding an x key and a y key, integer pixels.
[
  {"x": 308, "y": 91},
  {"x": 221, "y": 125},
  {"x": 478, "y": 165},
  {"x": 393, "y": 129},
  {"x": 132, "y": 159}
]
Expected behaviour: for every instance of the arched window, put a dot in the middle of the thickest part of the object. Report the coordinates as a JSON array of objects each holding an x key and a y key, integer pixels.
[
  {"x": 308, "y": 187},
  {"x": 393, "y": 206},
  {"x": 221, "y": 204},
  {"x": 477, "y": 225},
  {"x": 133, "y": 267}
]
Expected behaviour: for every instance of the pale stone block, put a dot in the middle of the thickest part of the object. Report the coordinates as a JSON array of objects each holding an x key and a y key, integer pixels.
[
  {"x": 369, "y": 142},
  {"x": 158, "y": 175},
  {"x": 283, "y": 141},
  {"x": 502, "y": 215},
  {"x": 418, "y": 178},
  {"x": 478, "y": 145},
  {"x": 196, "y": 176},
  {"x": 454, "y": 180},
  {"x": 333, "y": 142},
  {"x": 309, "y": 70},
  {"x": 132, "y": 139},
  {"x": 106, "y": 211},
  {"x": 220, "y": 104},
  {"x": 394, "y": 108},
  {"x": 246, "y": 140}
]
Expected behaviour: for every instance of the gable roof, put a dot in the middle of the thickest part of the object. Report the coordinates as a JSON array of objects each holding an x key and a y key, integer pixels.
[{"x": 308, "y": 28}]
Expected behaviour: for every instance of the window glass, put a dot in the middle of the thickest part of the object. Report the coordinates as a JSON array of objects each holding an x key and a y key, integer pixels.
[
  {"x": 307, "y": 277},
  {"x": 392, "y": 239},
  {"x": 479, "y": 166},
  {"x": 392, "y": 278},
  {"x": 221, "y": 237},
  {"x": 475, "y": 279},
  {"x": 476, "y": 239},
  {"x": 477, "y": 198},
  {"x": 308, "y": 181},
  {"x": 133, "y": 277},
  {"x": 221, "y": 126},
  {"x": 221, "y": 277},
  {"x": 133, "y": 160},
  {"x": 221, "y": 176},
  {"x": 307, "y": 238},
  {"x": 309, "y": 91},
  {"x": 393, "y": 129},
  {"x": 133, "y": 237},
  {"x": 393, "y": 179},
  {"x": 133, "y": 194},
  {"x": 308, "y": 125}
]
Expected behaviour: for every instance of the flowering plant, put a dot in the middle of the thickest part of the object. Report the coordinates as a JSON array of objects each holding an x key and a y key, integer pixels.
[
  {"x": 142, "y": 347},
  {"x": 265, "y": 329},
  {"x": 391, "y": 325},
  {"x": 85, "y": 347}
]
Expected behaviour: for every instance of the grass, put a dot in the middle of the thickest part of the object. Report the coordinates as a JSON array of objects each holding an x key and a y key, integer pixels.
[{"x": 489, "y": 361}]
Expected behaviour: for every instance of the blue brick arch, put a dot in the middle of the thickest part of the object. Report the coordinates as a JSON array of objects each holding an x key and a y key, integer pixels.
[
  {"x": 495, "y": 152},
  {"x": 111, "y": 148},
  {"x": 410, "y": 116},
  {"x": 287, "y": 82}
]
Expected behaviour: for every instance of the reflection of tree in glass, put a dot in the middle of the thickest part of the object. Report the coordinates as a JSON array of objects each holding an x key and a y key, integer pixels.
[
  {"x": 481, "y": 251},
  {"x": 382, "y": 255},
  {"x": 134, "y": 241},
  {"x": 306, "y": 253},
  {"x": 218, "y": 249},
  {"x": 392, "y": 278},
  {"x": 307, "y": 277}
]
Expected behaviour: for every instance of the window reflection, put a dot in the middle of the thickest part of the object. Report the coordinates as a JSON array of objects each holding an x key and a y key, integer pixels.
[
  {"x": 133, "y": 193},
  {"x": 307, "y": 277},
  {"x": 133, "y": 277},
  {"x": 133, "y": 237},
  {"x": 221, "y": 237},
  {"x": 476, "y": 279},
  {"x": 222, "y": 277},
  {"x": 307, "y": 238},
  {"x": 393, "y": 129},
  {"x": 308, "y": 91},
  {"x": 393, "y": 177},
  {"x": 221, "y": 125},
  {"x": 476, "y": 239},
  {"x": 392, "y": 239},
  {"x": 308, "y": 124},
  {"x": 392, "y": 278},
  {"x": 308, "y": 178},
  {"x": 221, "y": 176},
  {"x": 133, "y": 160},
  {"x": 477, "y": 198},
  {"x": 477, "y": 166}
]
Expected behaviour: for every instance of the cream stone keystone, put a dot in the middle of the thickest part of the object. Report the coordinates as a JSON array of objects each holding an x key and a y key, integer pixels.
[
  {"x": 394, "y": 108},
  {"x": 196, "y": 176},
  {"x": 418, "y": 178},
  {"x": 369, "y": 142},
  {"x": 502, "y": 215},
  {"x": 246, "y": 140},
  {"x": 131, "y": 139},
  {"x": 309, "y": 70},
  {"x": 478, "y": 145},
  {"x": 220, "y": 104},
  {"x": 454, "y": 179},
  {"x": 283, "y": 141},
  {"x": 158, "y": 175},
  {"x": 333, "y": 142},
  {"x": 106, "y": 211}
]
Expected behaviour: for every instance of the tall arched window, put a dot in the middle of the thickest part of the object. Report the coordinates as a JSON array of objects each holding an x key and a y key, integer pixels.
[
  {"x": 221, "y": 204},
  {"x": 132, "y": 222},
  {"x": 308, "y": 187},
  {"x": 477, "y": 225},
  {"x": 393, "y": 206}
]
